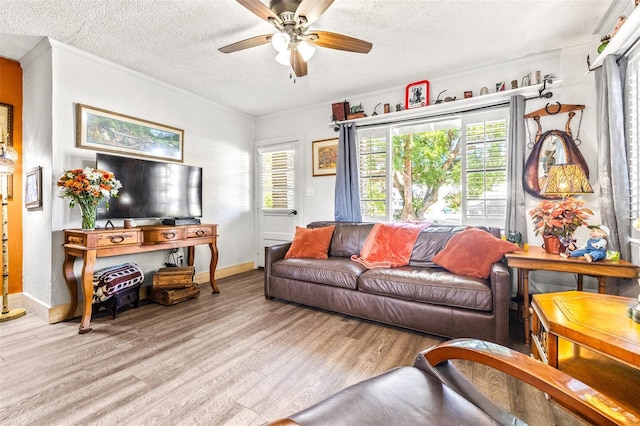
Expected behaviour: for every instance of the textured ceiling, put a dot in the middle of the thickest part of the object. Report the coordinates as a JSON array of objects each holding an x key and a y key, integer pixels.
[{"x": 177, "y": 41}]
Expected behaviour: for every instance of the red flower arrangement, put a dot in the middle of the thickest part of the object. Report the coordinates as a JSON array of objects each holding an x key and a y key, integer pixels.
[{"x": 559, "y": 218}]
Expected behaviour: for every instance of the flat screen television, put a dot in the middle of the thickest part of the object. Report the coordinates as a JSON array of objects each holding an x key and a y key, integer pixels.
[{"x": 152, "y": 189}]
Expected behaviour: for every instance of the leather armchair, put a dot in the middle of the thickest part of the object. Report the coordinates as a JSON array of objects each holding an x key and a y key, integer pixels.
[{"x": 434, "y": 392}]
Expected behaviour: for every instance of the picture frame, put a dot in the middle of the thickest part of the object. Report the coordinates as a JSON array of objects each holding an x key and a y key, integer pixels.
[
  {"x": 33, "y": 188},
  {"x": 6, "y": 136},
  {"x": 325, "y": 157},
  {"x": 103, "y": 130},
  {"x": 417, "y": 94}
]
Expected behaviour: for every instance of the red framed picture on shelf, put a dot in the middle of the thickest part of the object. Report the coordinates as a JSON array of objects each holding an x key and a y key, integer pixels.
[{"x": 417, "y": 94}]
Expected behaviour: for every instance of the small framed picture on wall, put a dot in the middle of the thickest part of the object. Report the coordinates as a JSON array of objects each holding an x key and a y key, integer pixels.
[
  {"x": 325, "y": 157},
  {"x": 33, "y": 188}
]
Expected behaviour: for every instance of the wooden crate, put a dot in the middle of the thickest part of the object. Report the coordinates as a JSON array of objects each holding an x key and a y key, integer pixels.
[
  {"x": 173, "y": 296},
  {"x": 168, "y": 278}
]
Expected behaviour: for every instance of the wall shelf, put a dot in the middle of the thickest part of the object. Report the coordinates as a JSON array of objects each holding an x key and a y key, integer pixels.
[
  {"x": 627, "y": 35},
  {"x": 453, "y": 107}
]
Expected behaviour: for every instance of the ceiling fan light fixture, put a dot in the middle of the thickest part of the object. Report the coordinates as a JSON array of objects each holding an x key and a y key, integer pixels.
[
  {"x": 280, "y": 41},
  {"x": 306, "y": 50},
  {"x": 283, "y": 58}
]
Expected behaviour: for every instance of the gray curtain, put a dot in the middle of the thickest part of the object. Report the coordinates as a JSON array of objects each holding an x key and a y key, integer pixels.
[
  {"x": 613, "y": 178},
  {"x": 347, "y": 193},
  {"x": 516, "y": 218}
]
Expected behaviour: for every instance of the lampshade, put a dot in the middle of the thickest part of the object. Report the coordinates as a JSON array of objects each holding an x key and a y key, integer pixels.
[
  {"x": 566, "y": 179},
  {"x": 8, "y": 158},
  {"x": 280, "y": 41},
  {"x": 306, "y": 50},
  {"x": 283, "y": 58}
]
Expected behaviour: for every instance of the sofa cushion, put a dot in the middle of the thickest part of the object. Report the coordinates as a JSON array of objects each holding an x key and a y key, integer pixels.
[
  {"x": 335, "y": 271},
  {"x": 348, "y": 239},
  {"x": 472, "y": 252},
  {"x": 428, "y": 285},
  {"x": 310, "y": 243}
]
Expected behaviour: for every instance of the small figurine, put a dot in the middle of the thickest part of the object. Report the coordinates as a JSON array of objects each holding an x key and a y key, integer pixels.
[{"x": 596, "y": 246}]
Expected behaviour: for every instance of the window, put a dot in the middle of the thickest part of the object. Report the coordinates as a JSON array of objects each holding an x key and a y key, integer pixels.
[
  {"x": 276, "y": 178},
  {"x": 632, "y": 120},
  {"x": 451, "y": 170}
]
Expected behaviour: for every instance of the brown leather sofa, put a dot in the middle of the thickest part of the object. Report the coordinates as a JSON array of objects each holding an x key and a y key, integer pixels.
[
  {"x": 434, "y": 392},
  {"x": 420, "y": 296}
]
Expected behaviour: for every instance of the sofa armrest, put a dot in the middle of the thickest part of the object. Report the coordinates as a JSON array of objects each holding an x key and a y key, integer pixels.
[
  {"x": 501, "y": 290},
  {"x": 568, "y": 392},
  {"x": 272, "y": 254}
]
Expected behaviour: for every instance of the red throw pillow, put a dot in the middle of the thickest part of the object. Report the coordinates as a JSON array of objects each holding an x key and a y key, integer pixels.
[
  {"x": 311, "y": 243},
  {"x": 472, "y": 252}
]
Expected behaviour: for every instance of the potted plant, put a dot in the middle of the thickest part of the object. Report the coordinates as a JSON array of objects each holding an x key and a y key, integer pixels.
[{"x": 557, "y": 220}]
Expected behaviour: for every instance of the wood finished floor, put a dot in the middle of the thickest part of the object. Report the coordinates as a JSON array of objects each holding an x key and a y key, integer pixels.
[{"x": 227, "y": 359}]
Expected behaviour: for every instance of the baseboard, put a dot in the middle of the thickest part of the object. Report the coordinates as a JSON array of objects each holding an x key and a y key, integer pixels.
[
  {"x": 203, "y": 277},
  {"x": 54, "y": 314}
]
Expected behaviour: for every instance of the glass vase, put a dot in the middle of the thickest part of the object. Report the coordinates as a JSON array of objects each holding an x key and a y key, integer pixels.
[{"x": 89, "y": 214}]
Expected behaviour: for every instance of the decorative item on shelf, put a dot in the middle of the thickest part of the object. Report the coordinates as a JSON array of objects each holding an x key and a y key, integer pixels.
[
  {"x": 484, "y": 90},
  {"x": 87, "y": 188},
  {"x": 357, "y": 111},
  {"x": 557, "y": 221},
  {"x": 514, "y": 84},
  {"x": 387, "y": 108},
  {"x": 340, "y": 110},
  {"x": 375, "y": 112},
  {"x": 468, "y": 94},
  {"x": 417, "y": 94},
  {"x": 603, "y": 43},
  {"x": 500, "y": 87},
  {"x": 8, "y": 158},
  {"x": 621, "y": 20},
  {"x": 399, "y": 107}
]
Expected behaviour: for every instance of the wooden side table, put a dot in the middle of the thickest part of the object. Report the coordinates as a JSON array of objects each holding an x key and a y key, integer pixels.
[
  {"x": 537, "y": 259},
  {"x": 590, "y": 337}
]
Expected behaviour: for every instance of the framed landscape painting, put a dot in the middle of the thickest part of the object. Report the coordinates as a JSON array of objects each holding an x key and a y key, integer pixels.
[
  {"x": 325, "y": 157},
  {"x": 104, "y": 130}
]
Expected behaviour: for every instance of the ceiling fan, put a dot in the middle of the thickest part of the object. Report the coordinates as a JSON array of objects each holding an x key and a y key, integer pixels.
[{"x": 294, "y": 38}]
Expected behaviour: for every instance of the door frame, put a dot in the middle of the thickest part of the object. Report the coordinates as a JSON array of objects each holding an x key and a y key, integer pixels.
[{"x": 299, "y": 169}]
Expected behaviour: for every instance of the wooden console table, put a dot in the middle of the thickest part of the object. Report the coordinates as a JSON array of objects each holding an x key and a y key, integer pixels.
[
  {"x": 89, "y": 245},
  {"x": 537, "y": 259}
]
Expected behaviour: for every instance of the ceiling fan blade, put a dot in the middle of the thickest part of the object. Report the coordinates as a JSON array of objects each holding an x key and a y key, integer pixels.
[
  {"x": 297, "y": 63},
  {"x": 312, "y": 9},
  {"x": 259, "y": 9},
  {"x": 338, "y": 41},
  {"x": 245, "y": 44}
]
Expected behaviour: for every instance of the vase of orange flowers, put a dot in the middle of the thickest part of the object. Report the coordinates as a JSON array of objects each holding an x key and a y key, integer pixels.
[
  {"x": 87, "y": 188},
  {"x": 557, "y": 220}
]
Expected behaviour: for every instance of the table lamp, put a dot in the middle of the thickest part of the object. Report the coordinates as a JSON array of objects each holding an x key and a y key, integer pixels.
[
  {"x": 8, "y": 157},
  {"x": 566, "y": 179}
]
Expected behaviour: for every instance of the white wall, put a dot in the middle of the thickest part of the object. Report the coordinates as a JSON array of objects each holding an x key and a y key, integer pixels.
[
  {"x": 216, "y": 138},
  {"x": 575, "y": 87}
]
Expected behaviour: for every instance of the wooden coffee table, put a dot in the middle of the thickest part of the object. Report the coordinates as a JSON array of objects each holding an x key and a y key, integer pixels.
[{"x": 590, "y": 337}]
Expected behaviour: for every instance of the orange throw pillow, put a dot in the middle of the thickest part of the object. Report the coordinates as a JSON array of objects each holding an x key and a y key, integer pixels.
[
  {"x": 311, "y": 243},
  {"x": 472, "y": 252}
]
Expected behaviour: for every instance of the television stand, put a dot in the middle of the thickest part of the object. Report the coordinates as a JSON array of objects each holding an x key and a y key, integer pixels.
[{"x": 89, "y": 245}]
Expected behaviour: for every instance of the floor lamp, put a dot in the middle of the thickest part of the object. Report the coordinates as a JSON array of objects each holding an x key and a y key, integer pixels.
[{"x": 8, "y": 157}]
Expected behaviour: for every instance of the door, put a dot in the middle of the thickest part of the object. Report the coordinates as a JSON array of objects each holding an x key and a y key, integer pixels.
[{"x": 278, "y": 195}]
